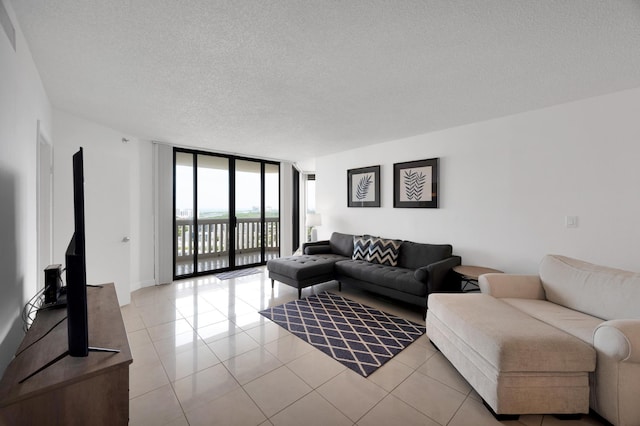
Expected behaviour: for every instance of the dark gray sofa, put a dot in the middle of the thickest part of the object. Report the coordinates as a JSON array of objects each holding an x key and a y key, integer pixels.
[{"x": 422, "y": 269}]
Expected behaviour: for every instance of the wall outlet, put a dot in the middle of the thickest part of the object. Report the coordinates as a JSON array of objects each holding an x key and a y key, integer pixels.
[{"x": 571, "y": 221}]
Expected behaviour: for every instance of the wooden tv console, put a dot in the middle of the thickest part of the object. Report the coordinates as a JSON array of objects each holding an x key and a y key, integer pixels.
[{"x": 92, "y": 390}]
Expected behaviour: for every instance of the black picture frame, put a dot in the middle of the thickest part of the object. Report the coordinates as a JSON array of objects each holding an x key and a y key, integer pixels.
[
  {"x": 415, "y": 184},
  {"x": 363, "y": 187}
]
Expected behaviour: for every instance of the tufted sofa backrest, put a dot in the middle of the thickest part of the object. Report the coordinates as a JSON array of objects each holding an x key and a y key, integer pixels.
[
  {"x": 415, "y": 255},
  {"x": 341, "y": 244}
]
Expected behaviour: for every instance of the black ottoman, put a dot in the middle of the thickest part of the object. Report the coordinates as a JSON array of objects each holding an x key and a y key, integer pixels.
[{"x": 303, "y": 271}]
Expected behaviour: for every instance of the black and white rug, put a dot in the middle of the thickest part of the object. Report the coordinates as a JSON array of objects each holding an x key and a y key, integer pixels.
[
  {"x": 360, "y": 337},
  {"x": 237, "y": 273}
]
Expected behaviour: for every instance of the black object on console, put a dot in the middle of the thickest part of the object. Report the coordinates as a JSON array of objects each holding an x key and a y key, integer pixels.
[{"x": 76, "y": 269}]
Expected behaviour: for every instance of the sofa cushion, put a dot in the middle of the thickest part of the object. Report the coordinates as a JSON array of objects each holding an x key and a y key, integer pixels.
[
  {"x": 509, "y": 339},
  {"x": 595, "y": 290},
  {"x": 400, "y": 279},
  {"x": 573, "y": 322},
  {"x": 415, "y": 255},
  {"x": 384, "y": 252},
  {"x": 341, "y": 244},
  {"x": 304, "y": 267},
  {"x": 361, "y": 245}
]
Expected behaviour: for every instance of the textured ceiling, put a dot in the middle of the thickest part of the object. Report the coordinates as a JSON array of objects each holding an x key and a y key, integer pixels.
[{"x": 298, "y": 79}]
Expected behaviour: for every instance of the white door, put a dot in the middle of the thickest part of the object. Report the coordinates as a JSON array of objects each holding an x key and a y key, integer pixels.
[{"x": 107, "y": 222}]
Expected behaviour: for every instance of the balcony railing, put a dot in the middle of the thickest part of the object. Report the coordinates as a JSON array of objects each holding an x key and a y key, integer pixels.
[{"x": 214, "y": 237}]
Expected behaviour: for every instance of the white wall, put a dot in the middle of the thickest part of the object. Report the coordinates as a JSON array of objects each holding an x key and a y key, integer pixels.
[
  {"x": 118, "y": 202},
  {"x": 506, "y": 186},
  {"x": 23, "y": 101}
]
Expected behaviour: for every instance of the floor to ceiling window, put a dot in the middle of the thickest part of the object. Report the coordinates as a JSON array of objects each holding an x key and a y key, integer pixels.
[
  {"x": 207, "y": 187},
  {"x": 272, "y": 210}
]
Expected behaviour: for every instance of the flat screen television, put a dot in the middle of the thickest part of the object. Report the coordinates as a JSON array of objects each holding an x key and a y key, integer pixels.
[
  {"x": 76, "y": 273},
  {"x": 76, "y": 268}
]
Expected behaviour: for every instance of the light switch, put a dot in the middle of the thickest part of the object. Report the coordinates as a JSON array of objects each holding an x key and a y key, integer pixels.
[{"x": 571, "y": 221}]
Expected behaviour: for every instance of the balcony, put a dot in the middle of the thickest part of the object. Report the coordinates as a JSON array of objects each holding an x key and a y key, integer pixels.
[{"x": 213, "y": 243}]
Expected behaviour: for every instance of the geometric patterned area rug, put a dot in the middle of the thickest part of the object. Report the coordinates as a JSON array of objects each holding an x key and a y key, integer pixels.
[
  {"x": 237, "y": 273},
  {"x": 360, "y": 337}
]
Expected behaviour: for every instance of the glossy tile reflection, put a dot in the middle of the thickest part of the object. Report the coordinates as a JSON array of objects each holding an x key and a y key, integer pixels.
[{"x": 204, "y": 356}]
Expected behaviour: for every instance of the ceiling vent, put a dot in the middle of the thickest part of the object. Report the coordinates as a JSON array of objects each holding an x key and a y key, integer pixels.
[{"x": 5, "y": 21}]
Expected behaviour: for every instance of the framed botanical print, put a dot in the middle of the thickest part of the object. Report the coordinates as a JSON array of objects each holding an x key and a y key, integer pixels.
[
  {"x": 363, "y": 187},
  {"x": 415, "y": 184}
]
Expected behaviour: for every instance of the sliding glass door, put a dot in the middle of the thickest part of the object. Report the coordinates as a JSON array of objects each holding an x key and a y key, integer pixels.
[
  {"x": 184, "y": 223},
  {"x": 249, "y": 213},
  {"x": 214, "y": 223},
  {"x": 207, "y": 189},
  {"x": 272, "y": 211}
]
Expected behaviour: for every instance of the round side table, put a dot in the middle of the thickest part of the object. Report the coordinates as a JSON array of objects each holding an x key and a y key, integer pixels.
[{"x": 469, "y": 274}]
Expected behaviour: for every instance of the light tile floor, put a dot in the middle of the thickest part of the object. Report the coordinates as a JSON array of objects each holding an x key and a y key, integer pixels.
[{"x": 204, "y": 356}]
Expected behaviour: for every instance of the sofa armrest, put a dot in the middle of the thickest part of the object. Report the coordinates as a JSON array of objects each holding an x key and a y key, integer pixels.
[
  {"x": 619, "y": 339},
  {"x": 437, "y": 274},
  {"x": 319, "y": 244},
  {"x": 511, "y": 285}
]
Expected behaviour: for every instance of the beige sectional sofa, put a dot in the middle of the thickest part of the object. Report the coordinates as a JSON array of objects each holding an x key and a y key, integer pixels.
[{"x": 556, "y": 343}]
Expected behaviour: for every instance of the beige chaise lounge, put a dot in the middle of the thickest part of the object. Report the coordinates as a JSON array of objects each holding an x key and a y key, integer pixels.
[{"x": 557, "y": 343}]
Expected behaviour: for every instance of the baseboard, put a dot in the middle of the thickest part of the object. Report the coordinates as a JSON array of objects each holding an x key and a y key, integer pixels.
[{"x": 141, "y": 284}]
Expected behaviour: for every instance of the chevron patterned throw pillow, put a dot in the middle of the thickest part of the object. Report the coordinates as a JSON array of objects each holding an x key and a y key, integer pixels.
[
  {"x": 361, "y": 247},
  {"x": 384, "y": 252}
]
